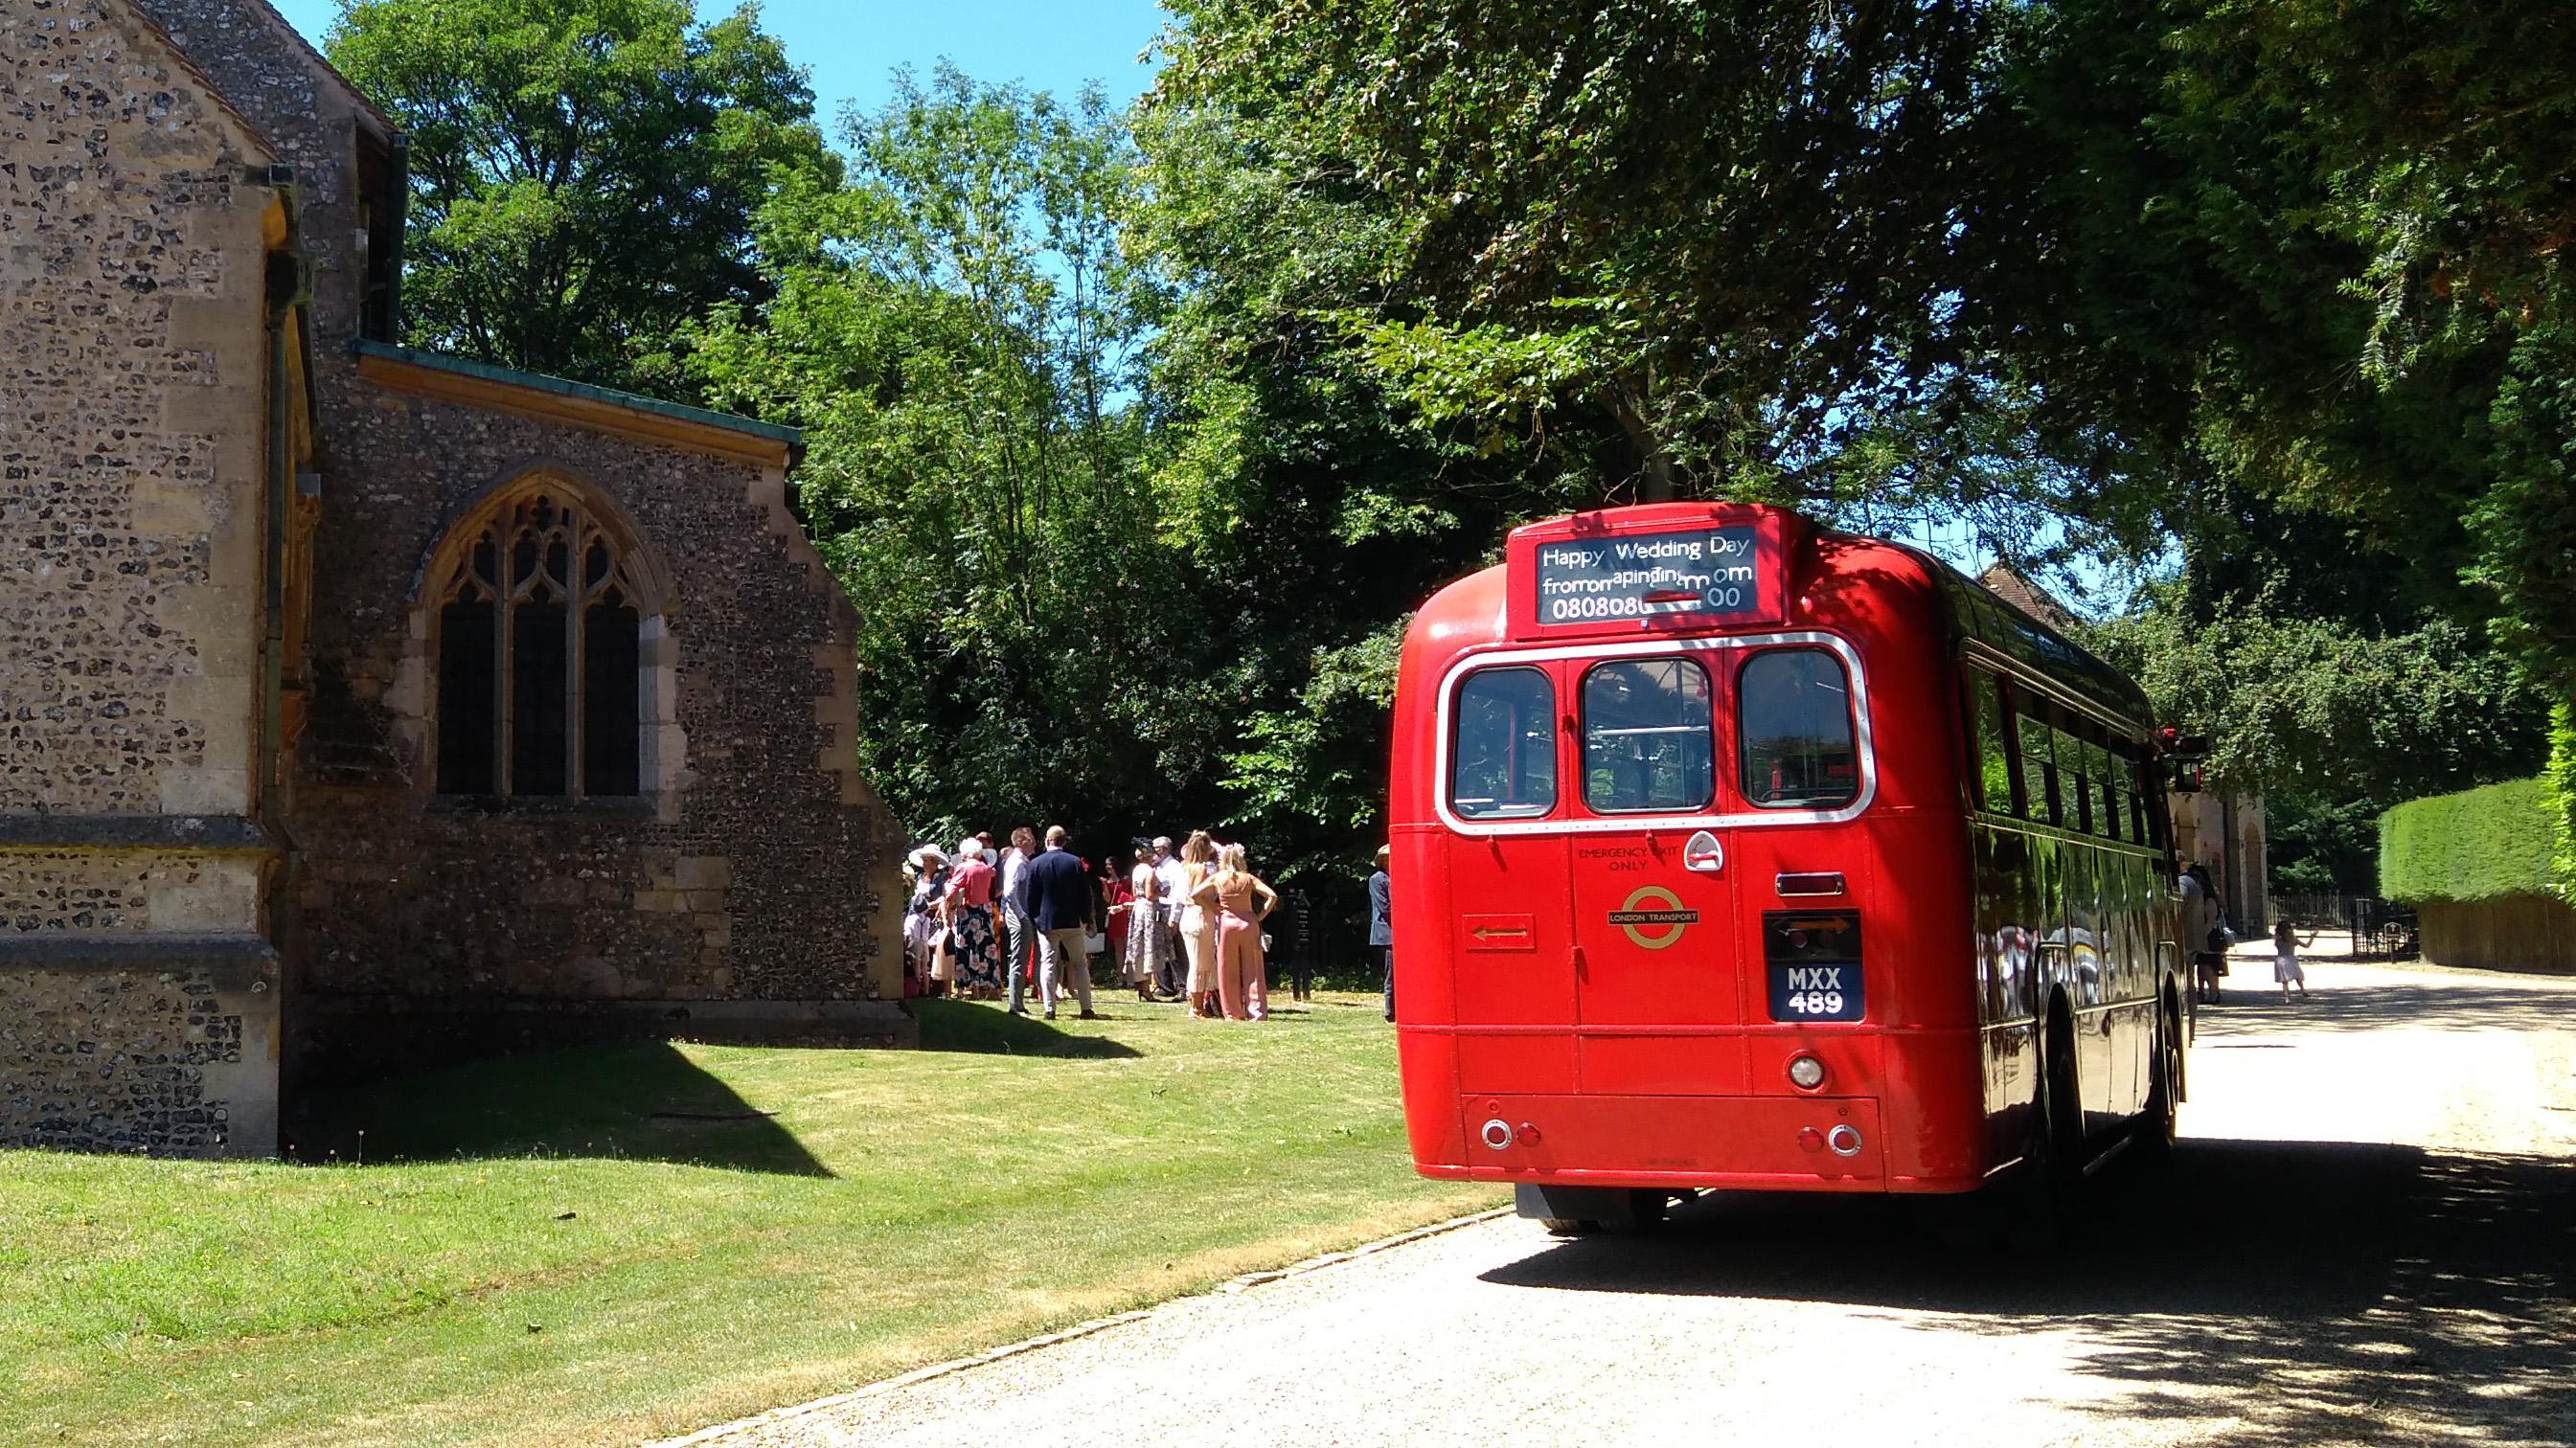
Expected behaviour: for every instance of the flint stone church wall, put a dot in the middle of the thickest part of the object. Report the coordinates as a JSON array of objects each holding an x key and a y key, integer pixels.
[
  {"x": 752, "y": 874},
  {"x": 138, "y": 1000},
  {"x": 177, "y": 938}
]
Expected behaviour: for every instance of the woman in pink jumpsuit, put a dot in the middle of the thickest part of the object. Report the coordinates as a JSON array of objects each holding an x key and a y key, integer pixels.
[{"x": 1240, "y": 899}]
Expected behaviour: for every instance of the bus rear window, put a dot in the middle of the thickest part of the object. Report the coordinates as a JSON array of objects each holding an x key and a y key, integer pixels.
[
  {"x": 1646, "y": 737},
  {"x": 1794, "y": 721},
  {"x": 1502, "y": 745}
]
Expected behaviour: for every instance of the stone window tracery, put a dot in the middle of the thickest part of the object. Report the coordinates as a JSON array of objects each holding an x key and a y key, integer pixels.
[{"x": 540, "y": 652}]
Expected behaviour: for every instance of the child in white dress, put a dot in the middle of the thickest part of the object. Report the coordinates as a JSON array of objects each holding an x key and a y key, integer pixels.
[{"x": 2285, "y": 958}]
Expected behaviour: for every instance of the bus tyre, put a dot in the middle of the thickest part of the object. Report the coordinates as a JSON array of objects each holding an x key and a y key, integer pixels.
[
  {"x": 2055, "y": 1166},
  {"x": 1575, "y": 1211},
  {"x": 1644, "y": 1212},
  {"x": 2157, "y": 1124}
]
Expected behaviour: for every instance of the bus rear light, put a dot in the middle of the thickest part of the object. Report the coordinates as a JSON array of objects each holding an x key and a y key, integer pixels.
[
  {"x": 1844, "y": 1141},
  {"x": 1810, "y": 1139},
  {"x": 1806, "y": 1072},
  {"x": 1498, "y": 1133}
]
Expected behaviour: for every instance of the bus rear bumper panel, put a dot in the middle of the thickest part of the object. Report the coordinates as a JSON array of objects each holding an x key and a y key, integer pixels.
[{"x": 1814, "y": 1143}]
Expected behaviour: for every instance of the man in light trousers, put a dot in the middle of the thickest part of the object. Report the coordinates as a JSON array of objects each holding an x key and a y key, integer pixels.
[
  {"x": 1172, "y": 976},
  {"x": 1011, "y": 906},
  {"x": 1062, "y": 903}
]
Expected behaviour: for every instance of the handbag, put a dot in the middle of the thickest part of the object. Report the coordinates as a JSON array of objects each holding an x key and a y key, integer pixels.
[{"x": 1094, "y": 942}]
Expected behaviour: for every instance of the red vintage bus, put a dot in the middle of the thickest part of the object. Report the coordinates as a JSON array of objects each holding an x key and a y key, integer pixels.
[{"x": 1734, "y": 852}]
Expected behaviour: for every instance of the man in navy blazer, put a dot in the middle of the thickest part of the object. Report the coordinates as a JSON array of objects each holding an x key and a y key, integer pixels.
[{"x": 1063, "y": 902}]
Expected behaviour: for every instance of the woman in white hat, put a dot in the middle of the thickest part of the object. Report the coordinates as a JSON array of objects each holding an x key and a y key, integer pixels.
[{"x": 928, "y": 865}]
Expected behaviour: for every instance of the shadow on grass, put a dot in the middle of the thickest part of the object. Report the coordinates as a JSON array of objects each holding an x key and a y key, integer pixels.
[
  {"x": 990, "y": 1030},
  {"x": 2260, "y": 1294},
  {"x": 645, "y": 1102}
]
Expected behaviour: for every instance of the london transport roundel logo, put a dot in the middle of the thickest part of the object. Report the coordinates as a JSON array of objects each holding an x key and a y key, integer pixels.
[{"x": 1653, "y": 906}]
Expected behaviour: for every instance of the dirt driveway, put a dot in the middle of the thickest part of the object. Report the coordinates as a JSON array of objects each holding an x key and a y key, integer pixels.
[{"x": 2368, "y": 1237}]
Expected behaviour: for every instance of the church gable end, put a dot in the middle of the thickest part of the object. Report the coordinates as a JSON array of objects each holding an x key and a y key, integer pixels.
[{"x": 606, "y": 674}]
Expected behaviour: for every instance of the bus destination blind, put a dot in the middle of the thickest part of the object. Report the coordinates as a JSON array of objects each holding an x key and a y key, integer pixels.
[{"x": 1699, "y": 573}]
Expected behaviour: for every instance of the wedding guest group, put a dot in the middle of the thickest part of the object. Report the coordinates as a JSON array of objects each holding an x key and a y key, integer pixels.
[{"x": 1021, "y": 925}]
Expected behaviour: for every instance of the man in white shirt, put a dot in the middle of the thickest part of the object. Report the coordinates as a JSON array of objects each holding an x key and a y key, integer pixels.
[
  {"x": 1020, "y": 935},
  {"x": 1170, "y": 875}
]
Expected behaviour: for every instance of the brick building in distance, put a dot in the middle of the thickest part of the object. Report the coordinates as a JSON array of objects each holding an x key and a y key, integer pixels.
[{"x": 362, "y": 708}]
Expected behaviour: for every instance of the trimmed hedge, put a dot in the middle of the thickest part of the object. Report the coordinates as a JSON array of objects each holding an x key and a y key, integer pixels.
[{"x": 2480, "y": 844}]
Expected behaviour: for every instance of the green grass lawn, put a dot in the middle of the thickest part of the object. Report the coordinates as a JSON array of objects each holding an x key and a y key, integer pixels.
[{"x": 619, "y": 1244}]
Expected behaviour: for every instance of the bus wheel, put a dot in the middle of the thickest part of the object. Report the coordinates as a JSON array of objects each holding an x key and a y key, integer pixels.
[
  {"x": 1644, "y": 1212},
  {"x": 2048, "y": 1212},
  {"x": 1574, "y": 1211},
  {"x": 2157, "y": 1124}
]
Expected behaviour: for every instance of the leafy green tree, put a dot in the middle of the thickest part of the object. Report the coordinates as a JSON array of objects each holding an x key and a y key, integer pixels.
[
  {"x": 953, "y": 328},
  {"x": 2307, "y": 250},
  {"x": 1698, "y": 239},
  {"x": 2332, "y": 721},
  {"x": 2313, "y": 705},
  {"x": 1319, "y": 506},
  {"x": 584, "y": 173}
]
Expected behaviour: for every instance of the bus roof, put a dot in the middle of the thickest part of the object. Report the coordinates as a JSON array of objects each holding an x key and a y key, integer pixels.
[{"x": 1676, "y": 568}]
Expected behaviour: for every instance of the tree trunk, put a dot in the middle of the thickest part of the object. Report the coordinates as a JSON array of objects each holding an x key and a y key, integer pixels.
[{"x": 1657, "y": 480}]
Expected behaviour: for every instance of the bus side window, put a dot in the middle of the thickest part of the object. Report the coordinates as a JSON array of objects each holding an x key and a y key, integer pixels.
[
  {"x": 2038, "y": 770},
  {"x": 2071, "y": 786},
  {"x": 1646, "y": 737},
  {"x": 2097, "y": 783},
  {"x": 2115, "y": 792},
  {"x": 1990, "y": 780},
  {"x": 1502, "y": 745},
  {"x": 1793, "y": 722}
]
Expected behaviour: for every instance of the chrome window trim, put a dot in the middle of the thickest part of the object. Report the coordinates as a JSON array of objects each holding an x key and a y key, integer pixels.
[{"x": 1503, "y": 655}]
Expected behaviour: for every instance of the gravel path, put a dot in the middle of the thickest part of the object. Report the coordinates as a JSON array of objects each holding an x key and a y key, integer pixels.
[{"x": 2368, "y": 1237}]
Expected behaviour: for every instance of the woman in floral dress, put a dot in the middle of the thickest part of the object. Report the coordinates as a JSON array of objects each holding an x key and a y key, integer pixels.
[
  {"x": 1143, "y": 956},
  {"x": 968, "y": 908}
]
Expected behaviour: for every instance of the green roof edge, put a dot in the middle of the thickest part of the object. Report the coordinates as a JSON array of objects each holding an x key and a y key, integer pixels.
[{"x": 794, "y": 438}]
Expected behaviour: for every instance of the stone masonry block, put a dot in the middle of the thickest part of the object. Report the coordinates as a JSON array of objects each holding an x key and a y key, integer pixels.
[{"x": 704, "y": 872}]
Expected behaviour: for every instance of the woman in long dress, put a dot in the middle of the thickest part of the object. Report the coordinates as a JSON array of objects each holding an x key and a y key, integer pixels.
[
  {"x": 1241, "y": 900},
  {"x": 1143, "y": 958},
  {"x": 921, "y": 927},
  {"x": 1198, "y": 926},
  {"x": 967, "y": 906}
]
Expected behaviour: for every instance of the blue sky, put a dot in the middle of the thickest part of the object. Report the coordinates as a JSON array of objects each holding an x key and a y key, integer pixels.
[{"x": 852, "y": 45}]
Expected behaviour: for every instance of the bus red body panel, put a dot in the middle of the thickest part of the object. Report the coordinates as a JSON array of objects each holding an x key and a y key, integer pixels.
[{"x": 1685, "y": 798}]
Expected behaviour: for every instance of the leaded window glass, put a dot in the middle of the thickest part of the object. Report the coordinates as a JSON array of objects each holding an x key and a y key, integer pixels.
[{"x": 540, "y": 658}]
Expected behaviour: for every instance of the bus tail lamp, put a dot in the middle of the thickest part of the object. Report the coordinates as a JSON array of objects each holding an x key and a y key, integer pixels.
[
  {"x": 1843, "y": 1141},
  {"x": 1806, "y": 1072},
  {"x": 1498, "y": 1133}
]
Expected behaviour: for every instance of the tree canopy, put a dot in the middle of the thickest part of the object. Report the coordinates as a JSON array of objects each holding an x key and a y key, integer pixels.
[
  {"x": 1138, "y": 435},
  {"x": 583, "y": 172}
]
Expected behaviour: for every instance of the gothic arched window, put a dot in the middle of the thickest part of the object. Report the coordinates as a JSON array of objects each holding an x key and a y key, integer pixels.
[{"x": 540, "y": 656}]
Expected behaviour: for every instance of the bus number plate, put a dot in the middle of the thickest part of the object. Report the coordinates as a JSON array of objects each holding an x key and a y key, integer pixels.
[{"x": 1813, "y": 960}]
